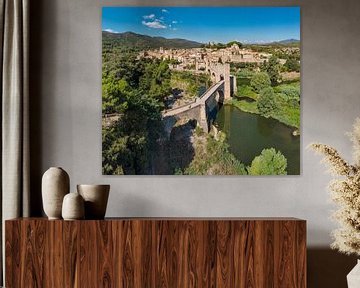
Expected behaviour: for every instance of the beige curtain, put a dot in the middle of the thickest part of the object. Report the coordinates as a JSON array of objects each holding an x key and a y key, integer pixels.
[{"x": 14, "y": 27}]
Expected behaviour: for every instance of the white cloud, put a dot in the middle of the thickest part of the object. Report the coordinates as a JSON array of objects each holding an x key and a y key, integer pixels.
[
  {"x": 174, "y": 22},
  {"x": 151, "y": 16},
  {"x": 156, "y": 24},
  {"x": 111, "y": 31},
  {"x": 164, "y": 11}
]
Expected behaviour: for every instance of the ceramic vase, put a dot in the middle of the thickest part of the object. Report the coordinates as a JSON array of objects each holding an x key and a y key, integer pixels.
[
  {"x": 73, "y": 207},
  {"x": 96, "y": 198},
  {"x": 55, "y": 185},
  {"x": 353, "y": 278}
]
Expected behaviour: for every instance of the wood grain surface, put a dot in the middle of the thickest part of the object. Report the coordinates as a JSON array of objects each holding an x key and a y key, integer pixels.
[{"x": 156, "y": 253}]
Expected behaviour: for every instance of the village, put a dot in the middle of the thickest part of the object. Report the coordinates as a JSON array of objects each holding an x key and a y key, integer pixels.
[{"x": 198, "y": 58}]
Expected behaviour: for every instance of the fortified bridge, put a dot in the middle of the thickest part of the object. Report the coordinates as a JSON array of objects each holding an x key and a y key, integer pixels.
[{"x": 204, "y": 109}]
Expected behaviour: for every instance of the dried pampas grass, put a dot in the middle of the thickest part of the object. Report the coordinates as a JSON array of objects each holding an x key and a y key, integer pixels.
[{"x": 345, "y": 191}]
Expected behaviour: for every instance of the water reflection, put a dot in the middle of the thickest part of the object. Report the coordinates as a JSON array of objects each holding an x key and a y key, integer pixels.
[{"x": 248, "y": 134}]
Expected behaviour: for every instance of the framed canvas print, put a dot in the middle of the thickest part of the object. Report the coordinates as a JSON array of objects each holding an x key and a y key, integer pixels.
[{"x": 201, "y": 90}]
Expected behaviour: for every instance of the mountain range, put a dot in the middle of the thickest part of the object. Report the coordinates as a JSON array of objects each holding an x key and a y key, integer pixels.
[
  {"x": 134, "y": 40},
  {"x": 287, "y": 41},
  {"x": 130, "y": 39}
]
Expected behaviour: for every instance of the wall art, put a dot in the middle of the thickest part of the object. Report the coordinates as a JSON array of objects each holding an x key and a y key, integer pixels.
[{"x": 201, "y": 90}]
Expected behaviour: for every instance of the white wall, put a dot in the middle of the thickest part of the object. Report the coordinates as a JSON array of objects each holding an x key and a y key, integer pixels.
[{"x": 66, "y": 119}]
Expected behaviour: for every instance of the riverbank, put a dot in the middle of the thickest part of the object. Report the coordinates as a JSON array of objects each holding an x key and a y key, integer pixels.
[
  {"x": 248, "y": 134},
  {"x": 286, "y": 98},
  {"x": 289, "y": 116}
]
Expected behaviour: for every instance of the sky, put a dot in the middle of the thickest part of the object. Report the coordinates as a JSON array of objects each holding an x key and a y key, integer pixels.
[{"x": 206, "y": 24}]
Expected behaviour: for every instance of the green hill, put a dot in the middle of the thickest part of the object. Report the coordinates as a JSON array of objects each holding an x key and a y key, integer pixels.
[{"x": 133, "y": 40}]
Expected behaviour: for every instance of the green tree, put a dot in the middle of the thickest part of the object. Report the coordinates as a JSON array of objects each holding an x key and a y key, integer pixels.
[
  {"x": 155, "y": 80},
  {"x": 234, "y": 42},
  {"x": 269, "y": 162},
  {"x": 292, "y": 64},
  {"x": 260, "y": 81},
  {"x": 272, "y": 67},
  {"x": 135, "y": 89},
  {"x": 266, "y": 102},
  {"x": 114, "y": 93}
]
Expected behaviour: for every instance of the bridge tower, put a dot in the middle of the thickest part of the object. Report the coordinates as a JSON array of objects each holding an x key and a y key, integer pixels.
[
  {"x": 218, "y": 72},
  {"x": 227, "y": 84}
]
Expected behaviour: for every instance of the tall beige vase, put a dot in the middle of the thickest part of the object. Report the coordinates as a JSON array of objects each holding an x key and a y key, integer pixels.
[{"x": 55, "y": 185}]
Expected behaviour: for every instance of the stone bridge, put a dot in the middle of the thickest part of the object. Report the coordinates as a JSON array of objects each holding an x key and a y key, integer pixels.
[{"x": 204, "y": 109}]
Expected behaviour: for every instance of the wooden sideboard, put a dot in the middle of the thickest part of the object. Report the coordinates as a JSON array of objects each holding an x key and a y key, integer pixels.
[{"x": 156, "y": 252}]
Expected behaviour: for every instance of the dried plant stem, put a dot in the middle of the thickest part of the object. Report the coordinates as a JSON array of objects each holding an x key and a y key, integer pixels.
[{"x": 345, "y": 192}]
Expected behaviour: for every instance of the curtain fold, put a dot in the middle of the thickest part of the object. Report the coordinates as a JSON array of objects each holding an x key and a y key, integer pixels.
[{"x": 15, "y": 159}]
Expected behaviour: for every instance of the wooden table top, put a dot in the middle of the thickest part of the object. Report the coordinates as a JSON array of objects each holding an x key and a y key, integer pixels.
[{"x": 172, "y": 219}]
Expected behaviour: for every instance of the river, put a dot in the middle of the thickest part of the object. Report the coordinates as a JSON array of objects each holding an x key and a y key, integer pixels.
[{"x": 248, "y": 134}]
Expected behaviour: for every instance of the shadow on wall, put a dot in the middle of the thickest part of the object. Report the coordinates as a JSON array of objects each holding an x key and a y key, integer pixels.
[
  {"x": 35, "y": 62},
  {"x": 328, "y": 268}
]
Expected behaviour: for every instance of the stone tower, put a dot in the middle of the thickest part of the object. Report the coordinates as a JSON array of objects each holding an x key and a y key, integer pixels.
[
  {"x": 218, "y": 72},
  {"x": 227, "y": 84}
]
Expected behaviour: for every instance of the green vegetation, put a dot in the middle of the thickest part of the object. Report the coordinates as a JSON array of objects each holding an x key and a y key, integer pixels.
[
  {"x": 292, "y": 65},
  {"x": 288, "y": 100},
  {"x": 246, "y": 91},
  {"x": 222, "y": 45},
  {"x": 260, "y": 81},
  {"x": 266, "y": 103},
  {"x": 130, "y": 40},
  {"x": 189, "y": 83},
  {"x": 135, "y": 90},
  {"x": 269, "y": 162},
  {"x": 272, "y": 68},
  {"x": 283, "y": 104},
  {"x": 280, "y": 50},
  {"x": 212, "y": 157},
  {"x": 235, "y": 67},
  {"x": 250, "y": 107}
]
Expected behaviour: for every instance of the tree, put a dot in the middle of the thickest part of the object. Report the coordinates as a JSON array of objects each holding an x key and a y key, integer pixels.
[
  {"x": 292, "y": 64},
  {"x": 269, "y": 162},
  {"x": 260, "y": 81},
  {"x": 272, "y": 67},
  {"x": 234, "y": 42},
  {"x": 135, "y": 89},
  {"x": 114, "y": 94},
  {"x": 266, "y": 102}
]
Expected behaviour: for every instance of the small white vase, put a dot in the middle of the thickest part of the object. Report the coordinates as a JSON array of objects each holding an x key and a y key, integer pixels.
[
  {"x": 73, "y": 207},
  {"x": 55, "y": 185},
  {"x": 96, "y": 198},
  {"x": 353, "y": 278}
]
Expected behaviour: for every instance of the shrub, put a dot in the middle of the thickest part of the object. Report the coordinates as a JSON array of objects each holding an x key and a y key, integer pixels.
[
  {"x": 266, "y": 102},
  {"x": 269, "y": 162},
  {"x": 260, "y": 81}
]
